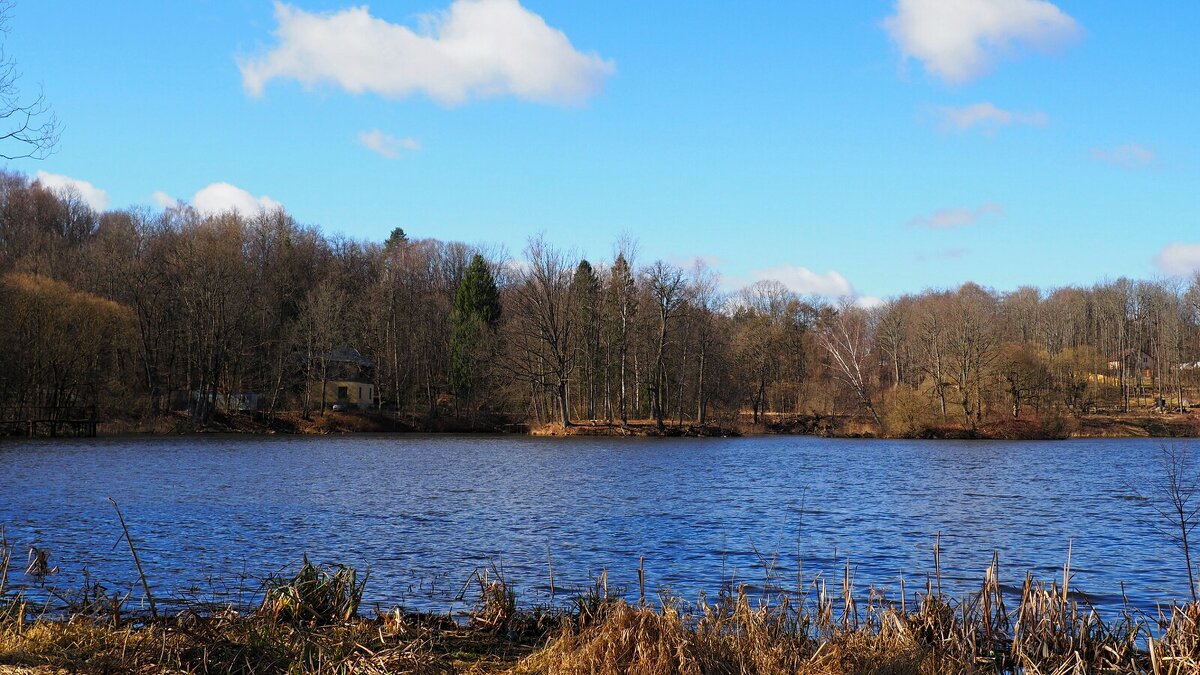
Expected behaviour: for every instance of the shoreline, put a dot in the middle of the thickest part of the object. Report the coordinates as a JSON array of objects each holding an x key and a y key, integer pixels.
[
  {"x": 313, "y": 622},
  {"x": 1107, "y": 425}
]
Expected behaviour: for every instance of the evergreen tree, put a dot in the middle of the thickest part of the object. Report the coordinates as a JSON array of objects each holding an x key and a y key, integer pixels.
[
  {"x": 475, "y": 317},
  {"x": 585, "y": 287},
  {"x": 623, "y": 289},
  {"x": 396, "y": 238}
]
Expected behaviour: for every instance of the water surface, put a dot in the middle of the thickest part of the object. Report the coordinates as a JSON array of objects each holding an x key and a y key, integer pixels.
[{"x": 423, "y": 512}]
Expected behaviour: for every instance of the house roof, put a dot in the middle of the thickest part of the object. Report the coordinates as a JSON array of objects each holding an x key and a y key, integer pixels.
[
  {"x": 1130, "y": 353},
  {"x": 346, "y": 354}
]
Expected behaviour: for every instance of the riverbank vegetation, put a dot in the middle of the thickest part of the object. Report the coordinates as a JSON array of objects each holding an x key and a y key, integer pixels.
[
  {"x": 234, "y": 321},
  {"x": 310, "y": 623}
]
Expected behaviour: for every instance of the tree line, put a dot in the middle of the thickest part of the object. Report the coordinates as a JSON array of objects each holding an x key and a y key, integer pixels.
[{"x": 126, "y": 309}]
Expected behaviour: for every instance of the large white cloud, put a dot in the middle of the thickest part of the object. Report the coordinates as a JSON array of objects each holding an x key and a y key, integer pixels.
[
  {"x": 474, "y": 49},
  {"x": 1178, "y": 259},
  {"x": 958, "y": 40},
  {"x": 804, "y": 281},
  {"x": 387, "y": 145},
  {"x": 223, "y": 197},
  {"x": 948, "y": 219},
  {"x": 986, "y": 117},
  {"x": 94, "y": 196}
]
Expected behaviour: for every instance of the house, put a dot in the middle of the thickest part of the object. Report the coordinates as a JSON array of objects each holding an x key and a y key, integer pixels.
[
  {"x": 347, "y": 382},
  {"x": 1137, "y": 363}
]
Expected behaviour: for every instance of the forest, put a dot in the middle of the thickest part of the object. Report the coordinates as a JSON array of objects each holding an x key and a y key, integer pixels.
[{"x": 143, "y": 314}]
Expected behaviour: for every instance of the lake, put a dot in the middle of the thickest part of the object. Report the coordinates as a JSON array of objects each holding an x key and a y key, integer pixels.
[{"x": 423, "y": 512}]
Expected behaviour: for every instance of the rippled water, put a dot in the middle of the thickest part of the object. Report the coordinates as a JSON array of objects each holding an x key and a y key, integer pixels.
[{"x": 422, "y": 512}]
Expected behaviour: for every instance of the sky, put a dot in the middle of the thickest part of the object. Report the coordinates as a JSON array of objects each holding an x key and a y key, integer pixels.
[{"x": 865, "y": 148}]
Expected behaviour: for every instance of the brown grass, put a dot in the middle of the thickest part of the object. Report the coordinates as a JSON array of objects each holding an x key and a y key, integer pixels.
[
  {"x": 643, "y": 427},
  {"x": 1047, "y": 632},
  {"x": 307, "y": 625}
]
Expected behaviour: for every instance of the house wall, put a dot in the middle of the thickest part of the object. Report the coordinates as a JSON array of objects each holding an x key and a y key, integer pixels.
[{"x": 359, "y": 395}]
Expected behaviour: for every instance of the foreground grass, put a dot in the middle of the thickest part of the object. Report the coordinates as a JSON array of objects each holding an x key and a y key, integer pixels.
[
  {"x": 254, "y": 645},
  {"x": 310, "y": 623}
]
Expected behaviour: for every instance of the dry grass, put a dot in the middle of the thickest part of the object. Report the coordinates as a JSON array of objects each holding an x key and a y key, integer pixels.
[
  {"x": 226, "y": 642},
  {"x": 1046, "y": 633},
  {"x": 644, "y": 427},
  {"x": 308, "y": 623}
]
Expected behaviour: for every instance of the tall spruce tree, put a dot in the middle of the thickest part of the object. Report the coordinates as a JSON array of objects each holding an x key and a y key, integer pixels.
[
  {"x": 476, "y": 315},
  {"x": 623, "y": 288},
  {"x": 585, "y": 287}
]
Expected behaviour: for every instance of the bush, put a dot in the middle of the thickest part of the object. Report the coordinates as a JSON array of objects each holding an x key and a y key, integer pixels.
[
  {"x": 906, "y": 412},
  {"x": 316, "y": 596}
]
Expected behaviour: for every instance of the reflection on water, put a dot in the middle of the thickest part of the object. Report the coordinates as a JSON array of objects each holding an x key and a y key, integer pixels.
[{"x": 422, "y": 512}]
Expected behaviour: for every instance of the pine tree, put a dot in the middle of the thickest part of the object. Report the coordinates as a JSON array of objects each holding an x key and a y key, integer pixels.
[
  {"x": 476, "y": 315},
  {"x": 585, "y": 287},
  {"x": 396, "y": 238},
  {"x": 623, "y": 288}
]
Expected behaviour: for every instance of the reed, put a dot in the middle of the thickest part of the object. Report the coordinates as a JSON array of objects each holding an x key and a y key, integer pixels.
[
  {"x": 1047, "y": 631},
  {"x": 310, "y": 622},
  {"x": 315, "y": 595},
  {"x": 12, "y": 607}
]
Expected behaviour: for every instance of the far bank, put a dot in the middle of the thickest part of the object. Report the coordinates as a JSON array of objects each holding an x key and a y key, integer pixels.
[{"x": 1138, "y": 424}]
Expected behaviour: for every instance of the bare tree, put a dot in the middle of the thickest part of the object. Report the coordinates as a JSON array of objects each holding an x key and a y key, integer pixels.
[
  {"x": 846, "y": 338},
  {"x": 971, "y": 347},
  {"x": 1173, "y": 497},
  {"x": 666, "y": 286},
  {"x": 321, "y": 324},
  {"x": 705, "y": 303},
  {"x": 542, "y": 332},
  {"x": 931, "y": 335},
  {"x": 28, "y": 127},
  {"x": 892, "y": 334}
]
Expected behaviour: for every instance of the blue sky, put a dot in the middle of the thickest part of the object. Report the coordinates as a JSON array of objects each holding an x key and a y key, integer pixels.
[{"x": 878, "y": 147}]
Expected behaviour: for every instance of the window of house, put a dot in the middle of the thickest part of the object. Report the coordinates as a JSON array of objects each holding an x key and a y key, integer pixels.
[{"x": 343, "y": 392}]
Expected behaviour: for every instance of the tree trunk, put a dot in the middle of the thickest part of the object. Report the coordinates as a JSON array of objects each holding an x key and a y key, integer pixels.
[{"x": 564, "y": 410}]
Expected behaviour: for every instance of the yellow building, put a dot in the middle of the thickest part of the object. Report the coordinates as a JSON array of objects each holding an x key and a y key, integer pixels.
[
  {"x": 342, "y": 394},
  {"x": 348, "y": 382}
]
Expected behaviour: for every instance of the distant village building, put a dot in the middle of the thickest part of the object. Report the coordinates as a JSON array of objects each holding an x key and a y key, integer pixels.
[
  {"x": 348, "y": 382},
  {"x": 1136, "y": 361}
]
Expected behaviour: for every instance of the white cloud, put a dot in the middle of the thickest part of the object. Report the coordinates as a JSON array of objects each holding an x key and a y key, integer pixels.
[
  {"x": 163, "y": 200},
  {"x": 223, "y": 197},
  {"x": 1178, "y": 259},
  {"x": 475, "y": 49},
  {"x": 869, "y": 301},
  {"x": 946, "y": 219},
  {"x": 94, "y": 196},
  {"x": 386, "y": 145},
  {"x": 804, "y": 281},
  {"x": 517, "y": 267},
  {"x": 1128, "y": 156},
  {"x": 958, "y": 40},
  {"x": 986, "y": 117}
]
